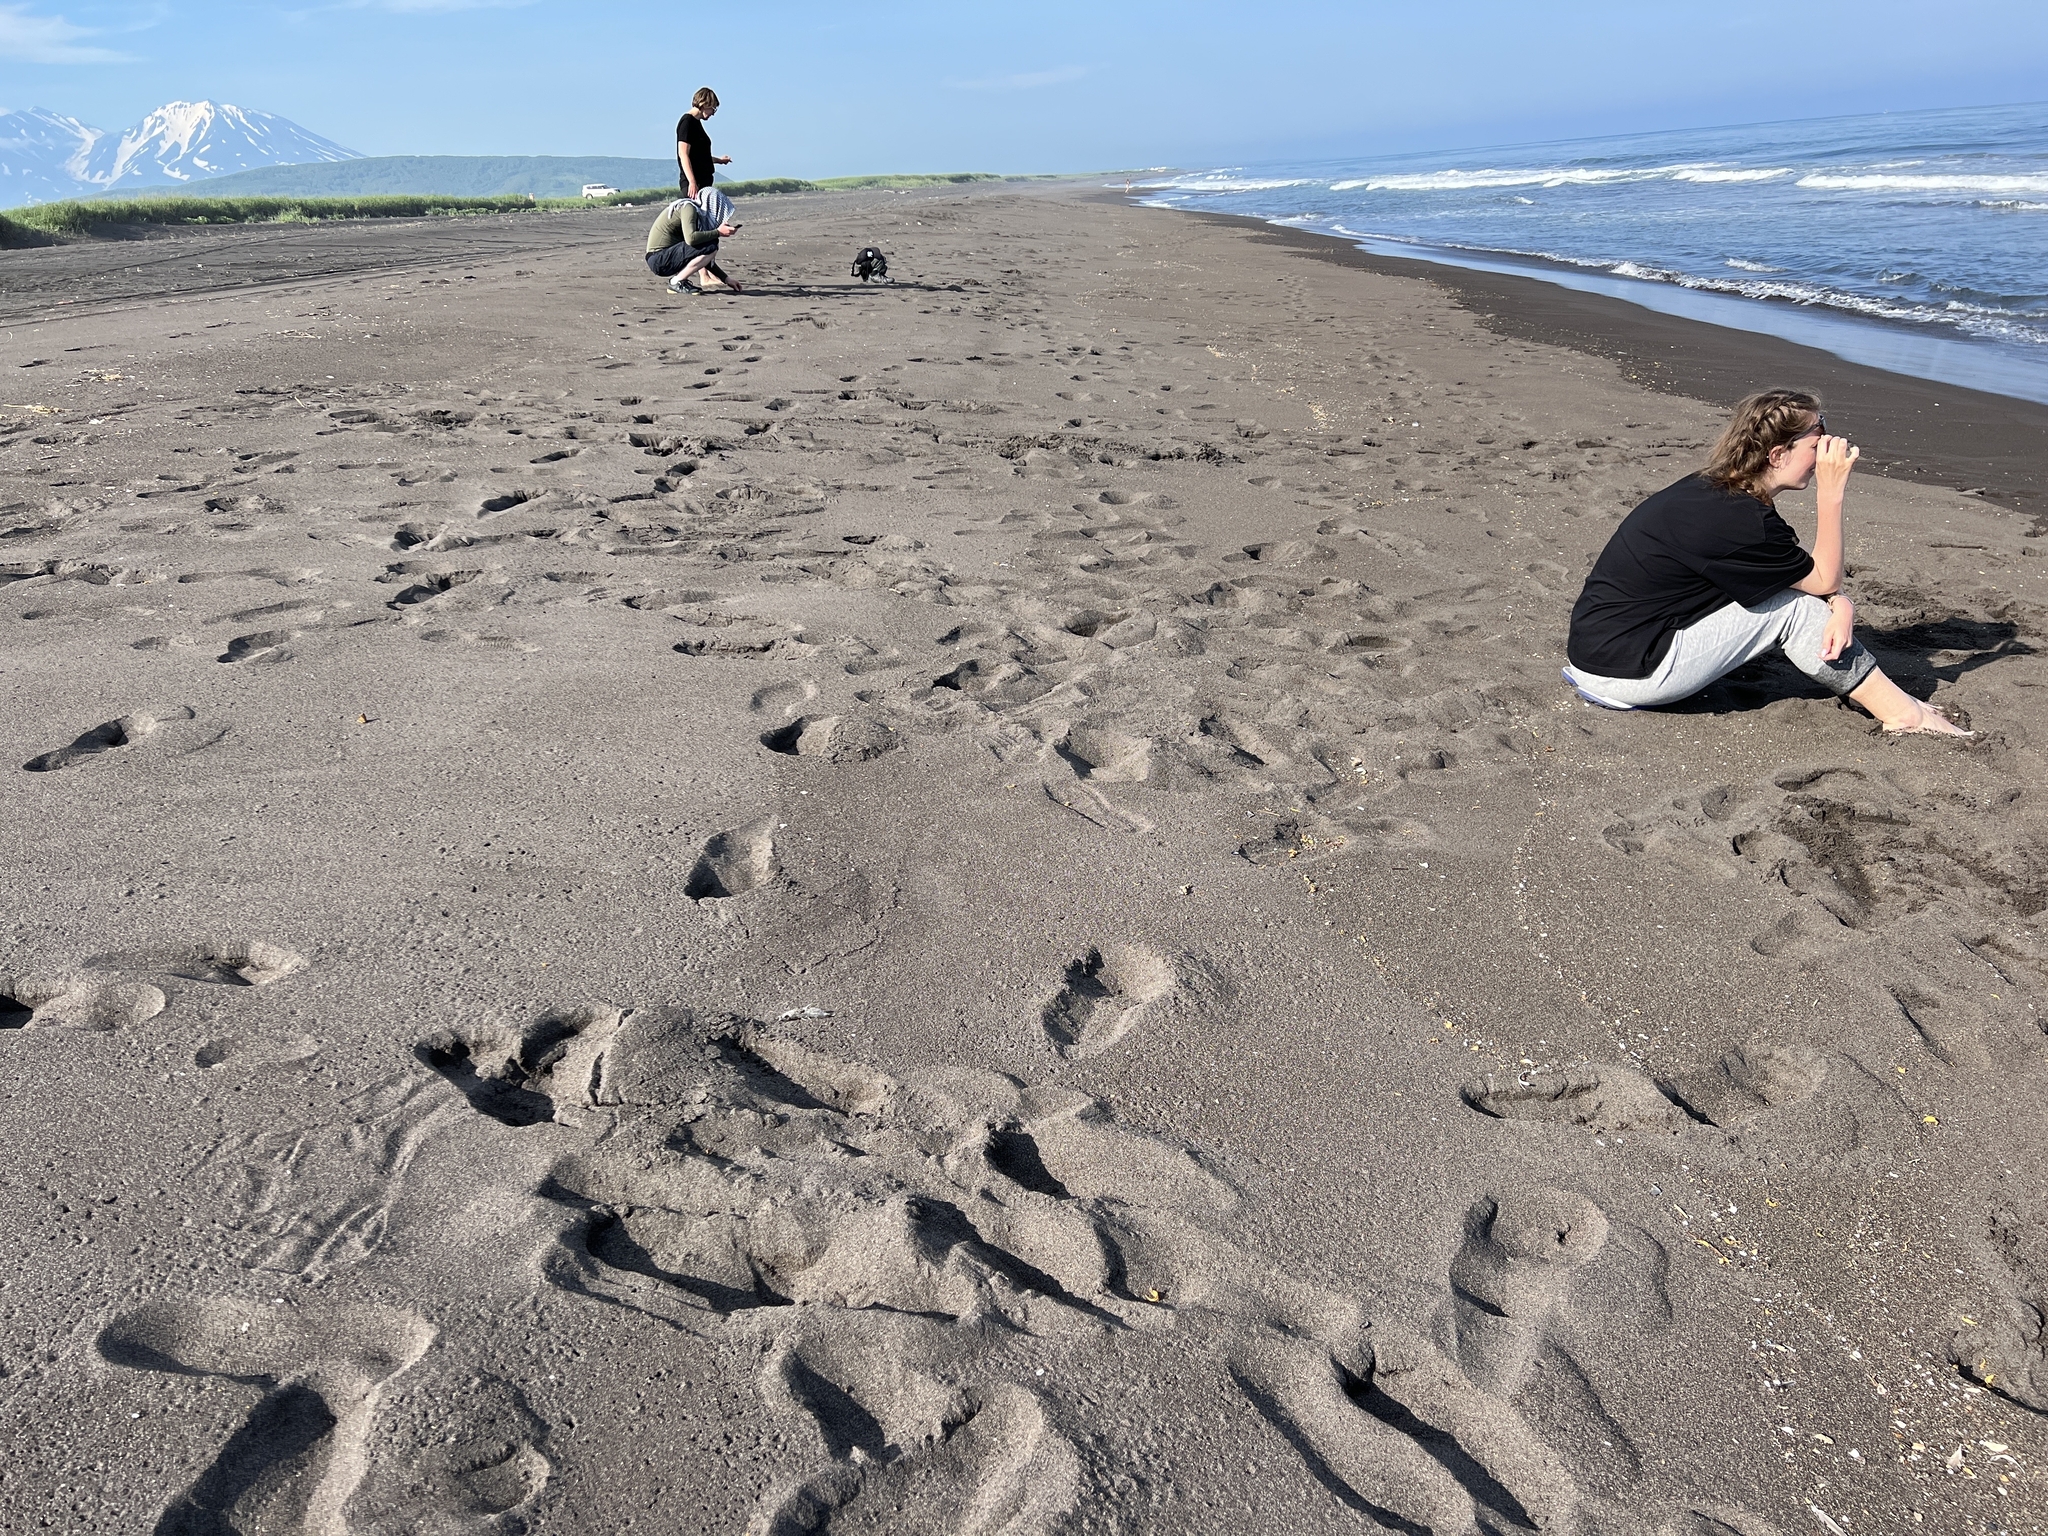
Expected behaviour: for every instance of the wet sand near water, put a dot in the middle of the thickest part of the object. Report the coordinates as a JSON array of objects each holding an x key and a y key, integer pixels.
[
  {"x": 973, "y": 905},
  {"x": 1910, "y": 429}
]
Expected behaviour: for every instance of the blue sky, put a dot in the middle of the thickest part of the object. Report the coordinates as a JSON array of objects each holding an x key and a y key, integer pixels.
[{"x": 816, "y": 89}]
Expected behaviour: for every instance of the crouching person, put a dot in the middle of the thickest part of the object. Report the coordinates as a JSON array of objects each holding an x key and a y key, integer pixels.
[{"x": 683, "y": 242}]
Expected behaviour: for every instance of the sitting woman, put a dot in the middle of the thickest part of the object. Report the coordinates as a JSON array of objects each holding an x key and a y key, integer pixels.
[{"x": 1705, "y": 576}]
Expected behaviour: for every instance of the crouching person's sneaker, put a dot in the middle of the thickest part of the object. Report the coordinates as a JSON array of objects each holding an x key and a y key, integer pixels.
[{"x": 677, "y": 285}]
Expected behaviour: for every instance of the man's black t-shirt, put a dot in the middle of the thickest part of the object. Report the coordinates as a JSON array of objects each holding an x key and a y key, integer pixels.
[
  {"x": 1690, "y": 549},
  {"x": 697, "y": 145}
]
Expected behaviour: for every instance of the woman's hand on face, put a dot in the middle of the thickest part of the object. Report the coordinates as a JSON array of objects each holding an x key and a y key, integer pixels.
[
  {"x": 1833, "y": 458},
  {"x": 1841, "y": 627}
]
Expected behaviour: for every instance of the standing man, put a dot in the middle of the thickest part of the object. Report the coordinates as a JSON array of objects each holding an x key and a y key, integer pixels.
[{"x": 694, "y": 159}]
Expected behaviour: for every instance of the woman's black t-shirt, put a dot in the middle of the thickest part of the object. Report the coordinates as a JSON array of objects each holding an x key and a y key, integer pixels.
[
  {"x": 1690, "y": 549},
  {"x": 696, "y": 144}
]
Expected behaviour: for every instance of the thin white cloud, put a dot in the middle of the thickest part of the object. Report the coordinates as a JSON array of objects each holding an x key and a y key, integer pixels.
[
  {"x": 26, "y": 38},
  {"x": 1036, "y": 80},
  {"x": 433, "y": 7}
]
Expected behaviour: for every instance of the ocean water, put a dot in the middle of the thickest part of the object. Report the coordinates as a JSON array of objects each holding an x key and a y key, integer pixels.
[{"x": 1915, "y": 241}]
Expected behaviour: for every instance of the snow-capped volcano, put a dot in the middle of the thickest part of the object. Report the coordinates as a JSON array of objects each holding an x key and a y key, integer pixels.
[
  {"x": 44, "y": 155},
  {"x": 190, "y": 140}
]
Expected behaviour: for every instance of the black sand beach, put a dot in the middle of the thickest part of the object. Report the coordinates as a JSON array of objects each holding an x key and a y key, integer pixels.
[{"x": 975, "y": 905}]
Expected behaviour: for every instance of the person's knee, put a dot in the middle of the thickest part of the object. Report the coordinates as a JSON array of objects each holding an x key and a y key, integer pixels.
[
  {"x": 1806, "y": 634},
  {"x": 1804, "y": 618}
]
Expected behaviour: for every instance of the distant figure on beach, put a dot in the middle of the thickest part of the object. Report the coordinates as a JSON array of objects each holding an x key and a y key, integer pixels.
[
  {"x": 683, "y": 242},
  {"x": 694, "y": 160},
  {"x": 1705, "y": 576}
]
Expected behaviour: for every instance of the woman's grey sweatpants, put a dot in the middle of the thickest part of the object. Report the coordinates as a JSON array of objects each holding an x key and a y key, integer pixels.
[{"x": 1715, "y": 646}]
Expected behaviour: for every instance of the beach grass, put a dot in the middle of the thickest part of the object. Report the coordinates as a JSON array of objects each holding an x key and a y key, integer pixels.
[{"x": 87, "y": 216}]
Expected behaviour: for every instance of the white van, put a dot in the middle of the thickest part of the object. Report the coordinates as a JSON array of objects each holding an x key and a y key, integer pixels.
[{"x": 599, "y": 189}]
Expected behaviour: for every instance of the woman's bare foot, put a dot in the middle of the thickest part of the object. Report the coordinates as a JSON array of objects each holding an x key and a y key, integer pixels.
[
  {"x": 1899, "y": 712},
  {"x": 1925, "y": 721}
]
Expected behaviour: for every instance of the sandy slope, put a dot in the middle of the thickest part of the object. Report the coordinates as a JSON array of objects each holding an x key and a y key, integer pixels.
[{"x": 972, "y": 906}]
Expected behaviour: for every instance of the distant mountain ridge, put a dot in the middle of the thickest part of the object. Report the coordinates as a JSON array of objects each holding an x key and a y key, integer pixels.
[
  {"x": 451, "y": 175},
  {"x": 45, "y": 156}
]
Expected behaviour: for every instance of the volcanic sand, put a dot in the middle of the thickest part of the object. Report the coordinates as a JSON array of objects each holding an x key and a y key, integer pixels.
[{"x": 971, "y": 905}]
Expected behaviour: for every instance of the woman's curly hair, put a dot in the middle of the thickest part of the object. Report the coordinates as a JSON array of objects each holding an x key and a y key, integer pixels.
[{"x": 1766, "y": 420}]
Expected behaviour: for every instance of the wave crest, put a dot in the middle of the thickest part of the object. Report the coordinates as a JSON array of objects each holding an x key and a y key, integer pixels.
[{"x": 2011, "y": 186}]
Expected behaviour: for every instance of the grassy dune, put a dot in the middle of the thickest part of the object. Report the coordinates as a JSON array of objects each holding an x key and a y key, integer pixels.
[{"x": 25, "y": 225}]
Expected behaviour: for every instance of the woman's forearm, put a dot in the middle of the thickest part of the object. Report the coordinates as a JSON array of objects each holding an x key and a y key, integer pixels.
[
  {"x": 1828, "y": 559},
  {"x": 1834, "y": 458},
  {"x": 1829, "y": 564}
]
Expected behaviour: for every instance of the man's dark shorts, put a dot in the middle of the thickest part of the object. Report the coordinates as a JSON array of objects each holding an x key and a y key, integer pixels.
[{"x": 667, "y": 263}]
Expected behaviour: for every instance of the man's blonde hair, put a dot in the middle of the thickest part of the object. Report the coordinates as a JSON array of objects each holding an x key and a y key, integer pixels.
[{"x": 705, "y": 97}]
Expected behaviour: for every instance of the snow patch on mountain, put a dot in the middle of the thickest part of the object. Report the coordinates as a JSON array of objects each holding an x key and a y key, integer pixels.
[{"x": 42, "y": 155}]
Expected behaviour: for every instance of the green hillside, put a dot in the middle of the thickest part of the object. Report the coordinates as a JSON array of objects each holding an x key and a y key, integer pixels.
[{"x": 442, "y": 175}]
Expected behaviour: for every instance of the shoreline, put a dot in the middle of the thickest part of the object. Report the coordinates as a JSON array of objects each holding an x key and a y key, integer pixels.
[{"x": 1999, "y": 448}]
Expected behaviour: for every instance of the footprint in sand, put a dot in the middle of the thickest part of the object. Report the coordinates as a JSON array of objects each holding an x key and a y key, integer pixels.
[
  {"x": 1418, "y": 1439},
  {"x": 449, "y": 1449},
  {"x": 354, "y": 1431},
  {"x": 265, "y": 647},
  {"x": 234, "y": 962},
  {"x": 539, "y": 1073},
  {"x": 1101, "y": 998},
  {"x": 71, "y": 1002},
  {"x": 835, "y": 738},
  {"x": 1102, "y": 755},
  {"x": 998, "y": 1467},
  {"x": 1280, "y": 552},
  {"x": 1511, "y": 1274},
  {"x": 782, "y": 698},
  {"x": 734, "y": 862},
  {"x": 284, "y": 578},
  {"x": 427, "y": 586},
  {"x": 1396, "y": 1432},
  {"x": 1115, "y": 629},
  {"x": 1602, "y": 1098},
  {"x": 721, "y": 635},
  {"x": 1746, "y": 1082},
  {"x": 110, "y": 737},
  {"x": 1294, "y": 840},
  {"x": 1605, "y": 1097},
  {"x": 993, "y": 683}
]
